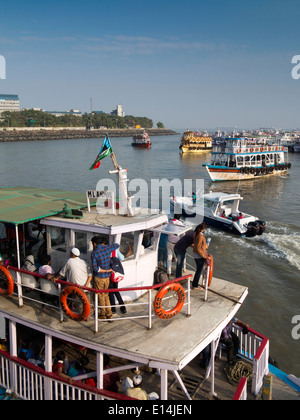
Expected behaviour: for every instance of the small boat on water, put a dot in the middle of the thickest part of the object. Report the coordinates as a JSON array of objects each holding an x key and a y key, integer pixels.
[
  {"x": 142, "y": 140},
  {"x": 195, "y": 142},
  {"x": 235, "y": 159},
  {"x": 221, "y": 211}
]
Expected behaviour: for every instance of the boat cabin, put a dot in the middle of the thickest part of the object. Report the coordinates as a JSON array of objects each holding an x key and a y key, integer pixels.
[
  {"x": 239, "y": 153},
  {"x": 217, "y": 203}
]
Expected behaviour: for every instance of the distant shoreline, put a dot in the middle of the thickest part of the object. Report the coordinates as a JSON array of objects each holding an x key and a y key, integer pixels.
[{"x": 55, "y": 133}]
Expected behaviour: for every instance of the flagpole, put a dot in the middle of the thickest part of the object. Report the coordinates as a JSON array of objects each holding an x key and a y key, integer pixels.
[{"x": 122, "y": 178}]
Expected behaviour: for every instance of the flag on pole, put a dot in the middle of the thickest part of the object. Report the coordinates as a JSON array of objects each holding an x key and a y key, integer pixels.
[{"x": 106, "y": 150}]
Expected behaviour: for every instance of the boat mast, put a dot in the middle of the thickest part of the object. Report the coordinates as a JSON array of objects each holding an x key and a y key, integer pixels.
[{"x": 122, "y": 179}]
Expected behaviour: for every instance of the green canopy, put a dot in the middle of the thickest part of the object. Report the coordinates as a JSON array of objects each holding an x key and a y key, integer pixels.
[{"x": 21, "y": 204}]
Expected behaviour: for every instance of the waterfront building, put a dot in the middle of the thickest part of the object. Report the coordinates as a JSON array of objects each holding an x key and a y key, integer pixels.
[
  {"x": 9, "y": 103},
  {"x": 61, "y": 113},
  {"x": 118, "y": 111}
]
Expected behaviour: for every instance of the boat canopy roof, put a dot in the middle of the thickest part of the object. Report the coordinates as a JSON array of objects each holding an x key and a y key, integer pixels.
[
  {"x": 219, "y": 196},
  {"x": 19, "y": 205}
]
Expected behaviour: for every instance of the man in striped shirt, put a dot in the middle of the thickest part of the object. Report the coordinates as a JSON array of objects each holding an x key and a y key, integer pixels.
[{"x": 101, "y": 268}]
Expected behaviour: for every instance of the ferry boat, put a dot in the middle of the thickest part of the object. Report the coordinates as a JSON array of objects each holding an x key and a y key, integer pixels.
[
  {"x": 220, "y": 211},
  {"x": 61, "y": 316},
  {"x": 142, "y": 140},
  {"x": 297, "y": 148},
  {"x": 234, "y": 159},
  {"x": 289, "y": 139},
  {"x": 192, "y": 142}
]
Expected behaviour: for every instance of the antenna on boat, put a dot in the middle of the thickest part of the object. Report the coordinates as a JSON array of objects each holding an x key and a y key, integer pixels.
[{"x": 122, "y": 178}]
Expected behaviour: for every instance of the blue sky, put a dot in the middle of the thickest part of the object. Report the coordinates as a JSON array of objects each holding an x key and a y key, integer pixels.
[{"x": 189, "y": 64}]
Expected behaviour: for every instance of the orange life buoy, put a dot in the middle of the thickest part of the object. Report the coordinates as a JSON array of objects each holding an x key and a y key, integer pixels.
[
  {"x": 210, "y": 263},
  {"x": 252, "y": 150},
  {"x": 73, "y": 290},
  {"x": 9, "y": 280},
  {"x": 239, "y": 150},
  {"x": 261, "y": 149},
  {"x": 160, "y": 312}
]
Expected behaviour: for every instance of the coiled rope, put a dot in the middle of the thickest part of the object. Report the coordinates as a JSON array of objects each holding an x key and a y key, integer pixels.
[{"x": 235, "y": 372}]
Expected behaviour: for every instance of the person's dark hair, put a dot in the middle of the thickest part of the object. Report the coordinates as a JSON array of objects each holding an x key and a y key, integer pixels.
[
  {"x": 46, "y": 259},
  {"x": 200, "y": 228},
  {"x": 99, "y": 240}
]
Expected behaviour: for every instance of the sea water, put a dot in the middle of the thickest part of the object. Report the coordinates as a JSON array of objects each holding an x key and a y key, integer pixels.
[{"x": 269, "y": 265}]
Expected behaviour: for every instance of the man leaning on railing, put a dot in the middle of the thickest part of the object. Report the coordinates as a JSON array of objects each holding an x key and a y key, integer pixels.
[{"x": 101, "y": 268}]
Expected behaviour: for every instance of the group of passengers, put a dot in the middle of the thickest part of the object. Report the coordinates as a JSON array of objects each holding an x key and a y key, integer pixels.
[{"x": 77, "y": 271}]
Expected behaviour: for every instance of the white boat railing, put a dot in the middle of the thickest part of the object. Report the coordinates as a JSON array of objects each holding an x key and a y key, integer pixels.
[
  {"x": 255, "y": 348},
  {"x": 29, "y": 382},
  {"x": 146, "y": 305},
  {"x": 241, "y": 392}
]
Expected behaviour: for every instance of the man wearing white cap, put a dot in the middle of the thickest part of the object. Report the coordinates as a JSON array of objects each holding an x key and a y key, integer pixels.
[
  {"x": 76, "y": 270},
  {"x": 136, "y": 391}
]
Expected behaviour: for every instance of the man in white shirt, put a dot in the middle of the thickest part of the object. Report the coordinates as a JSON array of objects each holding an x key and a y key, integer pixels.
[{"x": 76, "y": 270}]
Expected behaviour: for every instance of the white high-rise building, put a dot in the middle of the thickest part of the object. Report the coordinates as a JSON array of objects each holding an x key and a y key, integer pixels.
[{"x": 9, "y": 103}]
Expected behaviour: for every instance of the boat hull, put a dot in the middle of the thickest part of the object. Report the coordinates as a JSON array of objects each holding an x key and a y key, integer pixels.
[
  {"x": 230, "y": 174},
  {"x": 141, "y": 146},
  {"x": 186, "y": 149}
]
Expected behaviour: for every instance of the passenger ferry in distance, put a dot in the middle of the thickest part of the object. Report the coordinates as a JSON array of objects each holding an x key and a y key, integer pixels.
[
  {"x": 235, "y": 159},
  {"x": 192, "y": 142},
  {"x": 142, "y": 140}
]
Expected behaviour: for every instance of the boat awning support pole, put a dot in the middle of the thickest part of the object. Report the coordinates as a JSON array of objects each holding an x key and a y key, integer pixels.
[
  {"x": 211, "y": 369},
  {"x": 19, "y": 282},
  {"x": 13, "y": 350},
  {"x": 100, "y": 369},
  {"x": 182, "y": 386},
  {"x": 48, "y": 367},
  {"x": 164, "y": 384}
]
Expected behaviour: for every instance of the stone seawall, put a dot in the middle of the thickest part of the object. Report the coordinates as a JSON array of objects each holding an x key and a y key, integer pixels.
[{"x": 38, "y": 135}]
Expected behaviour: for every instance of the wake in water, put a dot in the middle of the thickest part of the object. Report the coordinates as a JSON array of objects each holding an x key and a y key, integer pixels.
[{"x": 278, "y": 242}]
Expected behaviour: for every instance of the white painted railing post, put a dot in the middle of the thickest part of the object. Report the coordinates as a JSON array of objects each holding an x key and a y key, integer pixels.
[{"x": 48, "y": 368}]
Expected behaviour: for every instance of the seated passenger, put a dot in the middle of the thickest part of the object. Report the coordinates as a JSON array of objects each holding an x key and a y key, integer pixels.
[
  {"x": 29, "y": 264},
  {"x": 46, "y": 270},
  {"x": 223, "y": 214},
  {"x": 58, "y": 366},
  {"x": 240, "y": 216},
  {"x": 76, "y": 270}
]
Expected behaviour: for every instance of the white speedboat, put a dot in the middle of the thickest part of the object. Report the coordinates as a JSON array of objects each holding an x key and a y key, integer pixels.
[{"x": 220, "y": 210}]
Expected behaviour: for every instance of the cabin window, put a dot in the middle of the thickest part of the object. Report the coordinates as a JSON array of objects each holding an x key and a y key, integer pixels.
[
  {"x": 128, "y": 245},
  {"x": 240, "y": 161},
  {"x": 58, "y": 239},
  {"x": 148, "y": 241},
  {"x": 81, "y": 242},
  {"x": 208, "y": 204}
]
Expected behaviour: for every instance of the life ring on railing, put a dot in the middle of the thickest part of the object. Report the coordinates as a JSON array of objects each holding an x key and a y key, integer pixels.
[
  {"x": 86, "y": 310},
  {"x": 160, "y": 312},
  {"x": 8, "y": 279},
  {"x": 239, "y": 150},
  {"x": 252, "y": 150},
  {"x": 262, "y": 149}
]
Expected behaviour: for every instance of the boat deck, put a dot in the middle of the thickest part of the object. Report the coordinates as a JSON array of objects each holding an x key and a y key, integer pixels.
[{"x": 170, "y": 344}]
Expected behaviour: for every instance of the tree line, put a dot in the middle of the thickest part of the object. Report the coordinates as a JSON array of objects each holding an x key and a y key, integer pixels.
[{"x": 32, "y": 118}]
